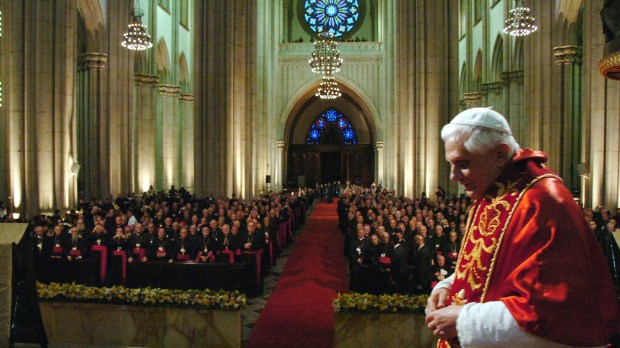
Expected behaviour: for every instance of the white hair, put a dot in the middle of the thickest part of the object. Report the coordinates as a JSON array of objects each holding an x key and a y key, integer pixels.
[{"x": 478, "y": 139}]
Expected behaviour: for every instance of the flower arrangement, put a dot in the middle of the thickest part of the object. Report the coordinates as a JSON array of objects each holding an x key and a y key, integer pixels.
[
  {"x": 366, "y": 303},
  {"x": 204, "y": 299}
]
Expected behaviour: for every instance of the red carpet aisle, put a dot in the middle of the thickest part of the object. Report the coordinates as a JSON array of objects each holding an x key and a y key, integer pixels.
[{"x": 299, "y": 312}]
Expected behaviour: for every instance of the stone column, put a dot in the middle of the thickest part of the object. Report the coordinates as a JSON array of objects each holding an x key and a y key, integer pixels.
[
  {"x": 473, "y": 99},
  {"x": 513, "y": 102},
  {"x": 186, "y": 137},
  {"x": 569, "y": 60},
  {"x": 543, "y": 83},
  {"x": 89, "y": 121},
  {"x": 117, "y": 132},
  {"x": 379, "y": 179},
  {"x": 225, "y": 89},
  {"x": 425, "y": 53},
  {"x": 601, "y": 124},
  {"x": 279, "y": 180},
  {"x": 168, "y": 133},
  {"x": 492, "y": 95},
  {"x": 38, "y": 55},
  {"x": 145, "y": 130}
]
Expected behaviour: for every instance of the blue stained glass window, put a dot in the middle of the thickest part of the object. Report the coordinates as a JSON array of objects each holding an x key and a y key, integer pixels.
[
  {"x": 328, "y": 120},
  {"x": 338, "y": 17}
]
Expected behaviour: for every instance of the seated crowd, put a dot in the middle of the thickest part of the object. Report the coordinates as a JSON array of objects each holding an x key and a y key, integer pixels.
[
  {"x": 404, "y": 245},
  {"x": 168, "y": 227}
]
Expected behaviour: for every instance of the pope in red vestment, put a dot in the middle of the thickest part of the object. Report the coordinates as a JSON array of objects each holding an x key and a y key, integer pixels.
[{"x": 529, "y": 272}]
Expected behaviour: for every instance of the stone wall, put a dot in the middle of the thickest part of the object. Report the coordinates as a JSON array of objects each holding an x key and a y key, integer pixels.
[
  {"x": 382, "y": 330},
  {"x": 87, "y": 324}
]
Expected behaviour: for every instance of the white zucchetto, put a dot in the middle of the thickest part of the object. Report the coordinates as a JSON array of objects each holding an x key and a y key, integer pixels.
[{"x": 483, "y": 117}]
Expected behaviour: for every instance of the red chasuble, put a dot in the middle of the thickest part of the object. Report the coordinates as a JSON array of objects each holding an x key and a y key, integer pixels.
[{"x": 528, "y": 245}]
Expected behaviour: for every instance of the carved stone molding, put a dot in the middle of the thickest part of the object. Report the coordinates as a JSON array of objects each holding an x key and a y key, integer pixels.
[
  {"x": 378, "y": 145},
  {"x": 146, "y": 80},
  {"x": 508, "y": 76},
  {"x": 348, "y": 60},
  {"x": 169, "y": 90},
  {"x": 93, "y": 60},
  {"x": 292, "y": 48},
  {"x": 186, "y": 97},
  {"x": 473, "y": 99},
  {"x": 492, "y": 86},
  {"x": 567, "y": 54},
  {"x": 280, "y": 144}
]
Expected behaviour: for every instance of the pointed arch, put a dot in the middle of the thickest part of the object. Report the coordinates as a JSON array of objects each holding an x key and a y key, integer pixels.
[
  {"x": 163, "y": 61},
  {"x": 303, "y": 98},
  {"x": 463, "y": 80},
  {"x": 91, "y": 15},
  {"x": 477, "y": 73},
  {"x": 331, "y": 127},
  {"x": 184, "y": 75},
  {"x": 517, "y": 57},
  {"x": 497, "y": 59},
  {"x": 139, "y": 62}
]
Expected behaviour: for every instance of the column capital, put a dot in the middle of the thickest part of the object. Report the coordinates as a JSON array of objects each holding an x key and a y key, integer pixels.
[
  {"x": 93, "y": 60},
  {"x": 280, "y": 144},
  {"x": 378, "y": 145},
  {"x": 473, "y": 99},
  {"x": 187, "y": 97},
  {"x": 491, "y": 87},
  {"x": 169, "y": 90},
  {"x": 510, "y": 75},
  {"x": 145, "y": 80},
  {"x": 567, "y": 54}
]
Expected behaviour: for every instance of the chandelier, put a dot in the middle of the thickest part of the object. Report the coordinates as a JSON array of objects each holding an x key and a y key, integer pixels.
[
  {"x": 136, "y": 38},
  {"x": 519, "y": 22},
  {"x": 328, "y": 89},
  {"x": 326, "y": 56},
  {"x": 326, "y": 60}
]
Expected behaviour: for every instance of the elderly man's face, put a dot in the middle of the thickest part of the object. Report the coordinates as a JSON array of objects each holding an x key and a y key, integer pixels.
[{"x": 475, "y": 171}]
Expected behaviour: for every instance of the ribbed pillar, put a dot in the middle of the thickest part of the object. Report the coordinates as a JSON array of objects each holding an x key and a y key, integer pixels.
[
  {"x": 225, "y": 89},
  {"x": 601, "y": 118},
  {"x": 568, "y": 57},
  {"x": 543, "y": 85},
  {"x": 168, "y": 135},
  {"x": 117, "y": 131},
  {"x": 186, "y": 141},
  {"x": 492, "y": 95},
  {"x": 425, "y": 75},
  {"x": 280, "y": 173},
  {"x": 145, "y": 120},
  {"x": 513, "y": 102},
  {"x": 264, "y": 123},
  {"x": 38, "y": 70},
  {"x": 89, "y": 121}
]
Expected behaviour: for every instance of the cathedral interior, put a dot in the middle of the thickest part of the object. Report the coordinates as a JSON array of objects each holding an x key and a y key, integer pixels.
[{"x": 224, "y": 101}]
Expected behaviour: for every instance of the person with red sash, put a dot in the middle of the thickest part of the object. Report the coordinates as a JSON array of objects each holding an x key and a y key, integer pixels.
[
  {"x": 529, "y": 272},
  {"x": 182, "y": 249},
  {"x": 159, "y": 249},
  {"x": 450, "y": 250},
  {"x": 139, "y": 243},
  {"x": 205, "y": 246},
  {"x": 75, "y": 247}
]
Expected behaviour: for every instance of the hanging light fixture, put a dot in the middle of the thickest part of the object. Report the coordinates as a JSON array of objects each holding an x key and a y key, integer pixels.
[
  {"x": 136, "y": 38},
  {"x": 328, "y": 88},
  {"x": 326, "y": 56},
  {"x": 326, "y": 60},
  {"x": 519, "y": 22}
]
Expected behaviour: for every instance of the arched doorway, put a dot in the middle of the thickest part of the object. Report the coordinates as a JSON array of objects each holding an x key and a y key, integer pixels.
[{"x": 330, "y": 141}]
